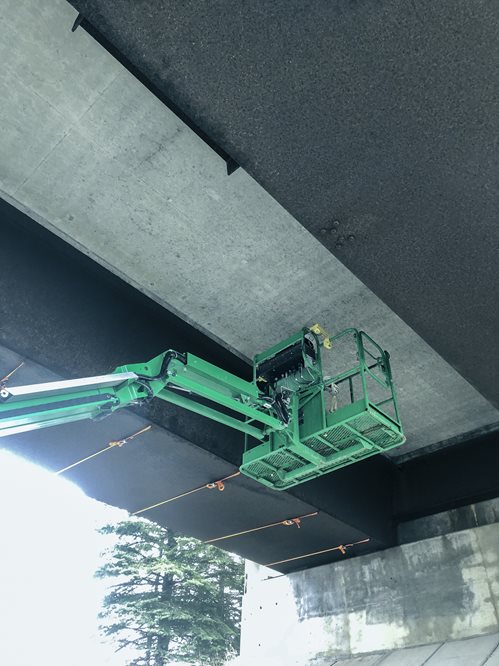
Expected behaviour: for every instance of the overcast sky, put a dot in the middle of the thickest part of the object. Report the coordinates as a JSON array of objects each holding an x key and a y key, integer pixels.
[{"x": 49, "y": 551}]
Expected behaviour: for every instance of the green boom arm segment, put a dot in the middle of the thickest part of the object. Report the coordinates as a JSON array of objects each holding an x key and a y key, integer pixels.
[{"x": 294, "y": 425}]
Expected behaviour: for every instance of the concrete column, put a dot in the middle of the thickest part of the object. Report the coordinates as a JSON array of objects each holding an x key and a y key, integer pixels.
[{"x": 440, "y": 589}]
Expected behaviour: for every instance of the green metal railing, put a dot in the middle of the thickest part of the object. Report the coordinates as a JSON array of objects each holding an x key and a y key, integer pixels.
[{"x": 364, "y": 369}]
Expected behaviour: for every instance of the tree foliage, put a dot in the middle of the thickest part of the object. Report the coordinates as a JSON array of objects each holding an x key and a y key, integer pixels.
[{"x": 175, "y": 598}]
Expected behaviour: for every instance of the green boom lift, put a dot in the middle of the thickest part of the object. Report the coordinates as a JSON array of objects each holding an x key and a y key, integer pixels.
[{"x": 298, "y": 422}]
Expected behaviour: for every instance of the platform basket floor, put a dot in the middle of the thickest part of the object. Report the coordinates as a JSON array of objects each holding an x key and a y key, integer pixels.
[{"x": 339, "y": 445}]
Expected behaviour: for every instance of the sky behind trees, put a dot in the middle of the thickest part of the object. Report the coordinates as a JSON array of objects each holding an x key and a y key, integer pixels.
[{"x": 49, "y": 551}]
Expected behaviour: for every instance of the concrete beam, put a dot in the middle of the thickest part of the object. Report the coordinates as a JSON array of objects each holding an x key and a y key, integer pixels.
[
  {"x": 93, "y": 156},
  {"x": 446, "y": 522},
  {"x": 371, "y": 115}
]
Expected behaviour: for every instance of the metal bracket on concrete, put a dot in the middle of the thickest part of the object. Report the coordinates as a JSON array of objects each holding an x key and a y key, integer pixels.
[
  {"x": 77, "y": 22},
  {"x": 80, "y": 20},
  {"x": 232, "y": 166}
]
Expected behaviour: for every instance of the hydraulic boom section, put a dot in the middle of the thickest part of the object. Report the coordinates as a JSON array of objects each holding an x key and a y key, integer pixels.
[{"x": 298, "y": 422}]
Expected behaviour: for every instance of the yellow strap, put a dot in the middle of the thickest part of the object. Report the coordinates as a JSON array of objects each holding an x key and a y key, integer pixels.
[
  {"x": 342, "y": 548},
  {"x": 211, "y": 485},
  {"x": 326, "y": 338},
  {"x": 113, "y": 443},
  {"x": 120, "y": 442},
  {"x": 9, "y": 374},
  {"x": 287, "y": 521}
]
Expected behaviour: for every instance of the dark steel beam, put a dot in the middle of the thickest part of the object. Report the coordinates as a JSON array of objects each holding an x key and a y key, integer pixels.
[{"x": 452, "y": 477}]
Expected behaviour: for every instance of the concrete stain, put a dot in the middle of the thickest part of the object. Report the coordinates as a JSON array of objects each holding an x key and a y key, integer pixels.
[{"x": 409, "y": 595}]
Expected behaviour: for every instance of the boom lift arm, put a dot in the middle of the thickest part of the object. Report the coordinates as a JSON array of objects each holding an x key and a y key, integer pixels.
[{"x": 291, "y": 435}]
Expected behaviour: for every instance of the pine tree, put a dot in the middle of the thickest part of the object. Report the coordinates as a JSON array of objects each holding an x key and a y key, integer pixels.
[{"x": 175, "y": 598}]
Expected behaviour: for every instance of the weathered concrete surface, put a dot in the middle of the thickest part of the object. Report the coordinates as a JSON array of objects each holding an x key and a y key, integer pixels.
[
  {"x": 441, "y": 589},
  {"x": 472, "y": 652},
  {"x": 480, "y": 651},
  {"x": 416, "y": 656},
  {"x": 96, "y": 158},
  {"x": 493, "y": 660},
  {"x": 454, "y": 520},
  {"x": 368, "y": 660}
]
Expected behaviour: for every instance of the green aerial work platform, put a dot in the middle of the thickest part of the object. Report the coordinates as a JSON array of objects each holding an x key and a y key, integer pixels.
[
  {"x": 299, "y": 422},
  {"x": 321, "y": 438}
]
